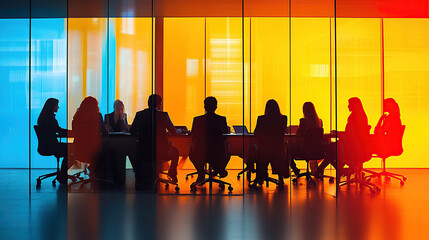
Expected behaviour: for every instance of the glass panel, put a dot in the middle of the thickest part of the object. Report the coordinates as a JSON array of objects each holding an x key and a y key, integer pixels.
[
  {"x": 406, "y": 45},
  {"x": 184, "y": 74},
  {"x": 87, "y": 65},
  {"x": 14, "y": 56},
  {"x": 48, "y": 77}
]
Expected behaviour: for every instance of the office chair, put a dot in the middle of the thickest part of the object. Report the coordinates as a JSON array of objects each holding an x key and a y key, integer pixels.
[
  {"x": 383, "y": 157},
  {"x": 210, "y": 173},
  {"x": 356, "y": 159},
  {"x": 267, "y": 179},
  {"x": 313, "y": 150},
  {"x": 250, "y": 166},
  {"x": 52, "y": 174},
  {"x": 161, "y": 167}
]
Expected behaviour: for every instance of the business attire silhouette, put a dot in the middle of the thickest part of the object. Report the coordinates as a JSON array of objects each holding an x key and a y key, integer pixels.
[
  {"x": 208, "y": 143},
  {"x": 49, "y": 144},
  {"x": 151, "y": 126},
  {"x": 270, "y": 132},
  {"x": 118, "y": 126}
]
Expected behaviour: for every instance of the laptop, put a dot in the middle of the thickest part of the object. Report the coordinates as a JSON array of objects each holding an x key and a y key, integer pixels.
[
  {"x": 240, "y": 129},
  {"x": 181, "y": 130}
]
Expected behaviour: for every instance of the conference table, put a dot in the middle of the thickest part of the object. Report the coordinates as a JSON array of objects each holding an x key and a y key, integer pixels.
[{"x": 124, "y": 144}]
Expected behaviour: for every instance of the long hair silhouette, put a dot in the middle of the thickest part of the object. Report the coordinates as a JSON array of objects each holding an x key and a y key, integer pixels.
[
  {"x": 310, "y": 114},
  {"x": 272, "y": 108},
  {"x": 48, "y": 109}
]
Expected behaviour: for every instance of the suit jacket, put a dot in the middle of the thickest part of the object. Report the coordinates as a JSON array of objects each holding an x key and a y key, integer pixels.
[
  {"x": 148, "y": 130},
  {"x": 48, "y": 131},
  {"x": 120, "y": 126},
  {"x": 207, "y": 136}
]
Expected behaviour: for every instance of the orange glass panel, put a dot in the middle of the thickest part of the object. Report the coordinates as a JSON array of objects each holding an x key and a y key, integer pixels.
[
  {"x": 269, "y": 65},
  {"x": 132, "y": 44},
  {"x": 406, "y": 47},
  {"x": 184, "y": 69},
  {"x": 224, "y": 78}
]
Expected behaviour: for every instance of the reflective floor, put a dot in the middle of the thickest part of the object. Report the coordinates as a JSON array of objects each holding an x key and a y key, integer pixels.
[{"x": 297, "y": 212}]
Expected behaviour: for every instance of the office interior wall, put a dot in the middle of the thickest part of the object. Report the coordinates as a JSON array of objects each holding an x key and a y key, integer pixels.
[{"x": 359, "y": 72}]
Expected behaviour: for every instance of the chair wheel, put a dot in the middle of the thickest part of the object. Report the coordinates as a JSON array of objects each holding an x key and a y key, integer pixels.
[
  {"x": 222, "y": 186},
  {"x": 238, "y": 177},
  {"x": 193, "y": 188},
  {"x": 402, "y": 183},
  {"x": 73, "y": 179},
  {"x": 166, "y": 186},
  {"x": 230, "y": 189},
  {"x": 281, "y": 187},
  {"x": 38, "y": 186},
  {"x": 404, "y": 178},
  {"x": 54, "y": 183},
  {"x": 186, "y": 178},
  {"x": 387, "y": 179},
  {"x": 78, "y": 175},
  {"x": 295, "y": 181},
  {"x": 177, "y": 188},
  {"x": 331, "y": 180}
]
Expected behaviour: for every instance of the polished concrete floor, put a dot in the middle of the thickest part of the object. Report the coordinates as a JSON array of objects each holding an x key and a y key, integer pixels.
[{"x": 297, "y": 212}]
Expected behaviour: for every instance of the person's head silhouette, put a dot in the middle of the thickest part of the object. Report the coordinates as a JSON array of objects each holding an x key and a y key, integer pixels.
[
  {"x": 210, "y": 104},
  {"x": 310, "y": 114},
  {"x": 391, "y": 106},
  {"x": 355, "y": 105},
  {"x": 49, "y": 109},
  {"x": 272, "y": 108},
  {"x": 154, "y": 101}
]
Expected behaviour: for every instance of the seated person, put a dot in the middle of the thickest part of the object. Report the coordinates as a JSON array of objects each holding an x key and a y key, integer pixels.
[
  {"x": 117, "y": 120},
  {"x": 48, "y": 142},
  {"x": 208, "y": 141},
  {"x": 143, "y": 127},
  {"x": 310, "y": 120},
  {"x": 388, "y": 130},
  {"x": 353, "y": 144},
  {"x": 270, "y": 133},
  {"x": 88, "y": 129}
]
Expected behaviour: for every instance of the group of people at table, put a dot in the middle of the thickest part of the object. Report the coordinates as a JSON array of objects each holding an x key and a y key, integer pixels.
[{"x": 152, "y": 125}]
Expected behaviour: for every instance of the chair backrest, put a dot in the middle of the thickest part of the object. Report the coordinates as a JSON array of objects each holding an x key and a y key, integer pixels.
[
  {"x": 39, "y": 149},
  {"x": 313, "y": 146},
  {"x": 292, "y": 129}
]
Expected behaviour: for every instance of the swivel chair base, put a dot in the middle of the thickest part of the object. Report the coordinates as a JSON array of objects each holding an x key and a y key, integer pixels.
[
  {"x": 360, "y": 181},
  {"x": 387, "y": 175},
  {"x": 166, "y": 182},
  {"x": 254, "y": 184},
  {"x": 211, "y": 180}
]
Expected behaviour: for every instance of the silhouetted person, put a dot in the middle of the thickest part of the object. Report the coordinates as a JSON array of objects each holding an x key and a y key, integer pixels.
[
  {"x": 117, "y": 120},
  {"x": 49, "y": 131},
  {"x": 310, "y": 120},
  {"x": 88, "y": 129},
  {"x": 353, "y": 143},
  {"x": 151, "y": 125},
  {"x": 208, "y": 141},
  {"x": 270, "y": 133},
  {"x": 387, "y": 133}
]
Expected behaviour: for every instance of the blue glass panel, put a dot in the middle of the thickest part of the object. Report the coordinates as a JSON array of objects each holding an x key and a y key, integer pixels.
[
  {"x": 48, "y": 76},
  {"x": 14, "y": 101}
]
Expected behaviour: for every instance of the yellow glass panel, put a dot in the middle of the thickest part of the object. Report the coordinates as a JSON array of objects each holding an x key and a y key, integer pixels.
[
  {"x": 406, "y": 80},
  {"x": 184, "y": 69},
  {"x": 311, "y": 68},
  {"x": 132, "y": 66},
  {"x": 86, "y": 41},
  {"x": 359, "y": 69},
  {"x": 269, "y": 65}
]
